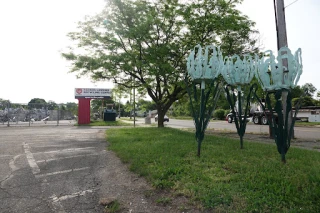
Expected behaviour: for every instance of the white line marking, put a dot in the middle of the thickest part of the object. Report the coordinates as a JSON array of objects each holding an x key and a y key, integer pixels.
[
  {"x": 35, "y": 168},
  {"x": 12, "y": 165},
  {"x": 56, "y": 204},
  {"x": 65, "y": 197},
  {"x": 62, "y": 158},
  {"x": 6, "y": 156},
  {"x": 61, "y": 172}
]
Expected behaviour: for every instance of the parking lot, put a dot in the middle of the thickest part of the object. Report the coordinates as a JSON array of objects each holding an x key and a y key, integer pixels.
[
  {"x": 50, "y": 169},
  {"x": 64, "y": 169}
]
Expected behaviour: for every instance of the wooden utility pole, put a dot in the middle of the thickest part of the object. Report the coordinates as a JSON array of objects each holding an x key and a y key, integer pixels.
[
  {"x": 280, "y": 23},
  {"x": 282, "y": 42}
]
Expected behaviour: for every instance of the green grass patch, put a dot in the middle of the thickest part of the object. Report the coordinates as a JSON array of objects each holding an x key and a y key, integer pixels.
[
  {"x": 113, "y": 207},
  {"x": 301, "y": 124},
  {"x": 127, "y": 118},
  {"x": 182, "y": 117},
  {"x": 106, "y": 123},
  {"x": 189, "y": 118},
  {"x": 224, "y": 178}
]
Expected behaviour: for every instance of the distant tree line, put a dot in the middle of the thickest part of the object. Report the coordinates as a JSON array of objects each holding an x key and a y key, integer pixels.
[{"x": 39, "y": 103}]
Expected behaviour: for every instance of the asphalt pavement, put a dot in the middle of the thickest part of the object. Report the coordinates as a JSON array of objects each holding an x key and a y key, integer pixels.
[
  {"x": 312, "y": 133},
  {"x": 51, "y": 169}
]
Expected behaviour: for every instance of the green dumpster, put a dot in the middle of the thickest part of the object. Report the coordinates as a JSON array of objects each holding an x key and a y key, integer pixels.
[{"x": 109, "y": 115}]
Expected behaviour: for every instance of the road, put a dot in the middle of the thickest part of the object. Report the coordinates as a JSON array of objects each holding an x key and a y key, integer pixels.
[{"x": 300, "y": 132}]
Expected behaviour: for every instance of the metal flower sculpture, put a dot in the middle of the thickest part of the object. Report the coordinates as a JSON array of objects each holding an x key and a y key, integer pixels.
[
  {"x": 277, "y": 76},
  {"x": 203, "y": 67},
  {"x": 239, "y": 72}
]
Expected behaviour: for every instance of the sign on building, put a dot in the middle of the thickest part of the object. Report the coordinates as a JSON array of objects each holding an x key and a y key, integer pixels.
[{"x": 94, "y": 93}]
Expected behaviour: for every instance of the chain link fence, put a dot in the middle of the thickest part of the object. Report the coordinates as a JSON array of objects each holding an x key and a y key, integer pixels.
[{"x": 36, "y": 114}]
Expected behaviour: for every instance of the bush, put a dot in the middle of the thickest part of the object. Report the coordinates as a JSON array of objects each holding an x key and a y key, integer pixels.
[{"x": 219, "y": 114}]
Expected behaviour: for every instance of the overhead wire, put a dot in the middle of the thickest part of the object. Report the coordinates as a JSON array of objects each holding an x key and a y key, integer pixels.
[{"x": 291, "y": 3}]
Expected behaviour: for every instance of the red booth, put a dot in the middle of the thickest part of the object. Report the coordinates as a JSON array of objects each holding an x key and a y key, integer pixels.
[{"x": 84, "y": 96}]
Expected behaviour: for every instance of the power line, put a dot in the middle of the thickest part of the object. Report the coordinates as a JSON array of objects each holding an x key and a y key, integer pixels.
[{"x": 291, "y": 3}]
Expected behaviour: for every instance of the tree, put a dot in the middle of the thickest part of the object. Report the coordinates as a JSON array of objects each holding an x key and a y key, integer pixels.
[
  {"x": 4, "y": 103},
  {"x": 128, "y": 109},
  {"x": 73, "y": 107},
  {"x": 144, "y": 105},
  {"x": 297, "y": 92},
  {"x": 309, "y": 89},
  {"x": 37, "y": 103},
  {"x": 306, "y": 101},
  {"x": 52, "y": 105},
  {"x": 145, "y": 43}
]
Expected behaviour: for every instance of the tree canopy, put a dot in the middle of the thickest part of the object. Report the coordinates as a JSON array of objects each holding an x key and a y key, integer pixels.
[
  {"x": 37, "y": 103},
  {"x": 143, "y": 44},
  {"x": 309, "y": 89}
]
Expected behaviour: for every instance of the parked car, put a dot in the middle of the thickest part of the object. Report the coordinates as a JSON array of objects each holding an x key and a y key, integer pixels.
[{"x": 166, "y": 118}]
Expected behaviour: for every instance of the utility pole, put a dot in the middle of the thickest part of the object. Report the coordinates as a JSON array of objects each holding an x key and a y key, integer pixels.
[
  {"x": 280, "y": 23},
  {"x": 134, "y": 102},
  {"x": 130, "y": 98},
  {"x": 282, "y": 41}
]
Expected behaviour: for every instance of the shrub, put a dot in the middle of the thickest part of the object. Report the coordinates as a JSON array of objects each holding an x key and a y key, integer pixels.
[{"x": 219, "y": 114}]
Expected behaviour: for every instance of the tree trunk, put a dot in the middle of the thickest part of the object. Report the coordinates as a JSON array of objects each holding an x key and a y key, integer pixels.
[{"x": 160, "y": 117}]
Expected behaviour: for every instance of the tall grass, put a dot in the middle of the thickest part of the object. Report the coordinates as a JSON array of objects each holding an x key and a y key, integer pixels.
[{"x": 224, "y": 178}]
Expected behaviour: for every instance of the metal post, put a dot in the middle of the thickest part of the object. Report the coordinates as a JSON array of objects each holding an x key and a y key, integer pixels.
[
  {"x": 119, "y": 107},
  {"x": 130, "y": 100},
  {"x": 8, "y": 114},
  {"x": 134, "y": 103},
  {"x": 58, "y": 115}
]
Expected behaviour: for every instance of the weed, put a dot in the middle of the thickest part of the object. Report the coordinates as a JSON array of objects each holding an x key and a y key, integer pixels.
[
  {"x": 164, "y": 200},
  {"x": 113, "y": 207}
]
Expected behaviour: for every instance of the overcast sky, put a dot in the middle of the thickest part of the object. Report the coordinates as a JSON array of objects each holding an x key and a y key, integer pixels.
[{"x": 33, "y": 33}]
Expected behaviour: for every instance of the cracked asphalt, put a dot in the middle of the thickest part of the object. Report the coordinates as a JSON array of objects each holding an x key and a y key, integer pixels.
[{"x": 65, "y": 169}]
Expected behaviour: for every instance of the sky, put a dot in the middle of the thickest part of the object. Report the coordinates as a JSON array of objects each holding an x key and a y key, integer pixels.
[{"x": 34, "y": 32}]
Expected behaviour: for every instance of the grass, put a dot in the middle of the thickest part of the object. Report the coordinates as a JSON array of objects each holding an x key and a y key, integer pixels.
[
  {"x": 190, "y": 118},
  {"x": 182, "y": 117},
  {"x": 302, "y": 124},
  {"x": 224, "y": 178},
  {"x": 127, "y": 118},
  {"x": 113, "y": 207},
  {"x": 164, "y": 200},
  {"x": 106, "y": 123}
]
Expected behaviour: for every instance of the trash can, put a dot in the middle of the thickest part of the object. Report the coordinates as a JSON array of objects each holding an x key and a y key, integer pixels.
[
  {"x": 147, "y": 120},
  {"x": 109, "y": 115}
]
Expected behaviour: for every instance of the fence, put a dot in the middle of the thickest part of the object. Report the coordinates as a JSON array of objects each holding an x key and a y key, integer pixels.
[{"x": 13, "y": 114}]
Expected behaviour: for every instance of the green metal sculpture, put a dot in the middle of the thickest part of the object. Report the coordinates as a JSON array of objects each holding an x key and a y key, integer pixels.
[
  {"x": 238, "y": 73},
  {"x": 203, "y": 68},
  {"x": 277, "y": 77}
]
